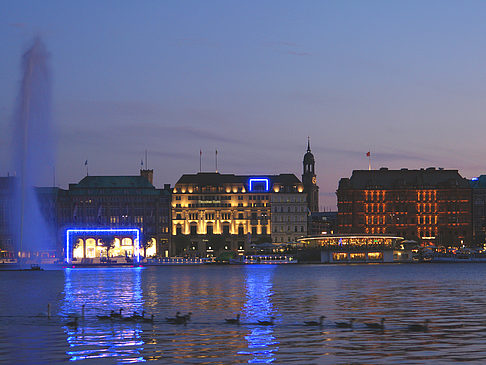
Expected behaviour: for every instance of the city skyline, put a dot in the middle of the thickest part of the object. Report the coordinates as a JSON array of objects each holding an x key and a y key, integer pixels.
[{"x": 402, "y": 80}]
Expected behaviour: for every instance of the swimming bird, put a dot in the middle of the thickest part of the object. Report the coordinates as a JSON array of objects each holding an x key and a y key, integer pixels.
[
  {"x": 376, "y": 326},
  {"x": 415, "y": 327},
  {"x": 233, "y": 320},
  {"x": 267, "y": 323},
  {"x": 178, "y": 319},
  {"x": 315, "y": 323},
  {"x": 110, "y": 316},
  {"x": 137, "y": 316},
  {"x": 148, "y": 320},
  {"x": 73, "y": 323},
  {"x": 188, "y": 316},
  {"x": 345, "y": 324},
  {"x": 117, "y": 315}
]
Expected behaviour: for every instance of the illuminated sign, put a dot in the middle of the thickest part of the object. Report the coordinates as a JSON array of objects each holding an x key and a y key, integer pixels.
[
  {"x": 258, "y": 184},
  {"x": 100, "y": 231}
]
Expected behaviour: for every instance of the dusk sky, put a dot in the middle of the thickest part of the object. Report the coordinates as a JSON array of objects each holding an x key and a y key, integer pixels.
[{"x": 404, "y": 80}]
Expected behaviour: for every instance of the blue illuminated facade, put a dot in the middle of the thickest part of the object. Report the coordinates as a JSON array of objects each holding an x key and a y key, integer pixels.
[
  {"x": 97, "y": 232},
  {"x": 256, "y": 184}
]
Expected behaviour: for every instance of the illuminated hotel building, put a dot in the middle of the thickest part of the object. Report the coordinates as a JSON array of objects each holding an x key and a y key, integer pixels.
[
  {"x": 237, "y": 207},
  {"x": 426, "y": 205}
]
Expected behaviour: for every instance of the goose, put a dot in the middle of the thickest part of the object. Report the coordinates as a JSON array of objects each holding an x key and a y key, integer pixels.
[
  {"x": 345, "y": 324},
  {"x": 377, "y": 326},
  {"x": 315, "y": 323},
  {"x": 73, "y": 323},
  {"x": 110, "y": 316},
  {"x": 178, "y": 319},
  {"x": 419, "y": 327},
  {"x": 233, "y": 320},
  {"x": 267, "y": 323},
  {"x": 135, "y": 315},
  {"x": 117, "y": 315},
  {"x": 148, "y": 320}
]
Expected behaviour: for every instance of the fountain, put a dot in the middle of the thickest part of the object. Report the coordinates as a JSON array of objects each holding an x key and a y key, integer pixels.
[{"x": 32, "y": 153}]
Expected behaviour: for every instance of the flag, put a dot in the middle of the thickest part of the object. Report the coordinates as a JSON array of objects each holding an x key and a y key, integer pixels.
[
  {"x": 200, "y": 152},
  {"x": 141, "y": 162},
  {"x": 86, "y": 163},
  {"x": 368, "y": 154},
  {"x": 216, "y": 151}
]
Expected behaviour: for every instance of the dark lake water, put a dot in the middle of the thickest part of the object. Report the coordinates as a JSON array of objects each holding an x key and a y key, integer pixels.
[{"x": 451, "y": 296}]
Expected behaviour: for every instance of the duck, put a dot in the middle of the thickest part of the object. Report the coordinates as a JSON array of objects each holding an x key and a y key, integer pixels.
[
  {"x": 117, "y": 315},
  {"x": 188, "y": 316},
  {"x": 315, "y": 323},
  {"x": 136, "y": 316},
  {"x": 110, "y": 316},
  {"x": 233, "y": 320},
  {"x": 345, "y": 324},
  {"x": 377, "y": 326},
  {"x": 416, "y": 327},
  {"x": 178, "y": 319},
  {"x": 148, "y": 320},
  {"x": 73, "y": 323},
  {"x": 267, "y": 323}
]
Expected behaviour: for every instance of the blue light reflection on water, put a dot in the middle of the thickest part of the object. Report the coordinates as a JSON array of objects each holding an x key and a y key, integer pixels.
[
  {"x": 258, "y": 306},
  {"x": 101, "y": 291}
]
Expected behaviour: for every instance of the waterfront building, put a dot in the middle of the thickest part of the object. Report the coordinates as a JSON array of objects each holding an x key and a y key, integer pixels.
[
  {"x": 119, "y": 202},
  {"x": 426, "y": 205},
  {"x": 213, "y": 212},
  {"x": 358, "y": 248},
  {"x": 322, "y": 223},
  {"x": 309, "y": 180},
  {"x": 289, "y": 211},
  {"x": 478, "y": 186},
  {"x": 6, "y": 215}
]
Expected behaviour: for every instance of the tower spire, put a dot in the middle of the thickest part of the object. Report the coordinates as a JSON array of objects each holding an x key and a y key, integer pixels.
[{"x": 308, "y": 144}]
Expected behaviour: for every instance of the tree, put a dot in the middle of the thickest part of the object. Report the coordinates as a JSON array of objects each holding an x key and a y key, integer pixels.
[
  {"x": 146, "y": 244},
  {"x": 108, "y": 243}
]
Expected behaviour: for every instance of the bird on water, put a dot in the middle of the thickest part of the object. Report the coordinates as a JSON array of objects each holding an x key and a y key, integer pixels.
[
  {"x": 267, "y": 323},
  {"x": 315, "y": 323},
  {"x": 233, "y": 320},
  {"x": 377, "y": 326},
  {"x": 345, "y": 324},
  {"x": 416, "y": 327}
]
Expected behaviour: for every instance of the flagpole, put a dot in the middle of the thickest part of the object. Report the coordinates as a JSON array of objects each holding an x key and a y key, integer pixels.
[
  {"x": 200, "y": 160},
  {"x": 216, "y": 160}
]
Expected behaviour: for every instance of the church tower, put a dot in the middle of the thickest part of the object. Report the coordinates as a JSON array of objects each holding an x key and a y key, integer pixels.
[{"x": 309, "y": 180}]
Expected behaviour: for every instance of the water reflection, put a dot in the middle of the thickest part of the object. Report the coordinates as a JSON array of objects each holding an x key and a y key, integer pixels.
[
  {"x": 258, "y": 306},
  {"x": 102, "y": 290}
]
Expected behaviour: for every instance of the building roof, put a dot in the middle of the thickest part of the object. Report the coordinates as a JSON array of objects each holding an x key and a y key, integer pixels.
[
  {"x": 113, "y": 182},
  {"x": 395, "y": 179},
  {"x": 478, "y": 182},
  {"x": 215, "y": 178}
]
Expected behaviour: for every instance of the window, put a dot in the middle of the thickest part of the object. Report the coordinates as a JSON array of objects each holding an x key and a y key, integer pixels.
[
  {"x": 209, "y": 229},
  {"x": 241, "y": 230},
  {"x": 178, "y": 229},
  {"x": 226, "y": 229},
  {"x": 193, "y": 229},
  {"x": 253, "y": 230}
]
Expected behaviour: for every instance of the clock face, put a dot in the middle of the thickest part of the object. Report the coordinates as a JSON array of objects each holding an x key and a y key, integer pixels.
[{"x": 314, "y": 180}]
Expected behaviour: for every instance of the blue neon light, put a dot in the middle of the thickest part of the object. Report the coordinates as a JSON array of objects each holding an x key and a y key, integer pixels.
[
  {"x": 70, "y": 232},
  {"x": 259, "y": 179},
  {"x": 475, "y": 179}
]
